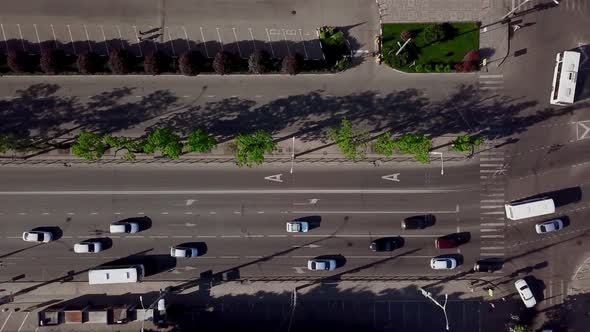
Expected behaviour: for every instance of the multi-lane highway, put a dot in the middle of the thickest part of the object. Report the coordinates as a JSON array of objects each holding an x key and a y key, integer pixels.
[{"x": 239, "y": 215}]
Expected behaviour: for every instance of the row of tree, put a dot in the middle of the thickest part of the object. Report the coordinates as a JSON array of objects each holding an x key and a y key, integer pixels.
[
  {"x": 119, "y": 61},
  {"x": 249, "y": 148},
  {"x": 353, "y": 143}
]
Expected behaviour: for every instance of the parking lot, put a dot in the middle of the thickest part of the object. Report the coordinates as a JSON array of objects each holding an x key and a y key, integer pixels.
[{"x": 174, "y": 40}]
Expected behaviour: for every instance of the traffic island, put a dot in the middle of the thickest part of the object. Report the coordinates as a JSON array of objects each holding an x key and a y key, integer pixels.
[{"x": 431, "y": 47}]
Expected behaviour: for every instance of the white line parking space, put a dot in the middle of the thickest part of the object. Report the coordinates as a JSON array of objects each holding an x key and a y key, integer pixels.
[{"x": 140, "y": 40}]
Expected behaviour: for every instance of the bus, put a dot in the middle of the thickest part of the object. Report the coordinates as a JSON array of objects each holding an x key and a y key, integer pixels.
[
  {"x": 529, "y": 208},
  {"x": 116, "y": 274},
  {"x": 565, "y": 75}
]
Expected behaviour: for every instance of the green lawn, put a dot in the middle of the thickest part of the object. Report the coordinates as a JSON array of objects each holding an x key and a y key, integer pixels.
[{"x": 451, "y": 51}]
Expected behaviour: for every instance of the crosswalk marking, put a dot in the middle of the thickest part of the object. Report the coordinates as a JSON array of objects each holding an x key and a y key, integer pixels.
[{"x": 491, "y": 82}]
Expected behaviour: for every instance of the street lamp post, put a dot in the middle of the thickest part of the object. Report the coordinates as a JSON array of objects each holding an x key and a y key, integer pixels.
[
  {"x": 428, "y": 295},
  {"x": 442, "y": 162},
  {"x": 143, "y": 318}
]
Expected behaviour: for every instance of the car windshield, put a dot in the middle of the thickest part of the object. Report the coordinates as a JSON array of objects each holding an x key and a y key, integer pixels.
[
  {"x": 39, "y": 237},
  {"x": 448, "y": 263},
  {"x": 313, "y": 265},
  {"x": 543, "y": 228}
]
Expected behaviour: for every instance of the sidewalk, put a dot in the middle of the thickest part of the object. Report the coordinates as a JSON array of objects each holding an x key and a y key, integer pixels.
[{"x": 376, "y": 303}]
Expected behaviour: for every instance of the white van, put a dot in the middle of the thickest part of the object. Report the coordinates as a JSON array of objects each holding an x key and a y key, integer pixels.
[
  {"x": 116, "y": 274},
  {"x": 529, "y": 208}
]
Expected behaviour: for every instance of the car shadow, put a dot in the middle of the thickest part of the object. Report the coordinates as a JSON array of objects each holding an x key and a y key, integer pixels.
[
  {"x": 313, "y": 221},
  {"x": 200, "y": 246},
  {"x": 107, "y": 243},
  {"x": 55, "y": 231},
  {"x": 537, "y": 287},
  {"x": 340, "y": 259},
  {"x": 565, "y": 220},
  {"x": 400, "y": 242},
  {"x": 560, "y": 197},
  {"x": 458, "y": 257},
  {"x": 496, "y": 264}
]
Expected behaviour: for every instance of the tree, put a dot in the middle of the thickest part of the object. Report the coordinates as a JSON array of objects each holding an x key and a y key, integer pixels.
[
  {"x": 165, "y": 141},
  {"x": 89, "y": 146},
  {"x": 434, "y": 32},
  {"x": 222, "y": 63},
  {"x": 200, "y": 141},
  {"x": 418, "y": 145},
  {"x": 251, "y": 148},
  {"x": 52, "y": 60},
  {"x": 521, "y": 328},
  {"x": 292, "y": 64},
  {"x": 10, "y": 142},
  {"x": 190, "y": 63},
  {"x": 132, "y": 146},
  {"x": 18, "y": 61},
  {"x": 258, "y": 62},
  {"x": 384, "y": 145},
  {"x": 88, "y": 63},
  {"x": 465, "y": 143},
  {"x": 119, "y": 62},
  {"x": 352, "y": 143},
  {"x": 155, "y": 63}
]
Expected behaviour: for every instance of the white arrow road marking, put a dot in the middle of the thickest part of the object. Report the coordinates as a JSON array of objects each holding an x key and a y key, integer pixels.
[
  {"x": 311, "y": 201},
  {"x": 391, "y": 177},
  {"x": 584, "y": 127},
  {"x": 190, "y": 202},
  {"x": 299, "y": 270},
  {"x": 275, "y": 178}
]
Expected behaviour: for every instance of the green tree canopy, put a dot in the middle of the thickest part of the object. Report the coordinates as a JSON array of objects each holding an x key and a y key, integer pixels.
[
  {"x": 132, "y": 146},
  {"x": 200, "y": 141},
  {"x": 465, "y": 143},
  {"x": 165, "y": 141},
  {"x": 89, "y": 146},
  {"x": 418, "y": 145},
  {"x": 352, "y": 143},
  {"x": 251, "y": 148},
  {"x": 384, "y": 145}
]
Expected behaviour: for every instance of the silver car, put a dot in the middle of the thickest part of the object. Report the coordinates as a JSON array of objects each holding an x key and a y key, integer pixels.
[
  {"x": 319, "y": 264},
  {"x": 178, "y": 251},
  {"x": 37, "y": 236},
  {"x": 297, "y": 226},
  {"x": 86, "y": 247},
  {"x": 549, "y": 226},
  {"x": 443, "y": 263},
  {"x": 124, "y": 227},
  {"x": 525, "y": 293}
]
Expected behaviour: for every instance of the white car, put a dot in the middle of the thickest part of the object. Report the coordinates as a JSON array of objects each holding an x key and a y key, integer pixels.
[
  {"x": 124, "y": 227},
  {"x": 443, "y": 263},
  {"x": 549, "y": 226},
  {"x": 178, "y": 251},
  {"x": 318, "y": 264},
  {"x": 86, "y": 247},
  {"x": 297, "y": 227},
  {"x": 37, "y": 236},
  {"x": 525, "y": 293}
]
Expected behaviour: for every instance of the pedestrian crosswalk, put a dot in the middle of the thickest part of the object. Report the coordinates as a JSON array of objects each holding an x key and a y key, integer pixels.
[
  {"x": 561, "y": 5},
  {"x": 491, "y": 82},
  {"x": 492, "y": 220}
]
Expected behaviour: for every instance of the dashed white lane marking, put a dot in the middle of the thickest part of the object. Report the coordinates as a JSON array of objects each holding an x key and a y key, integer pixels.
[
  {"x": 492, "y": 230},
  {"x": 93, "y": 213},
  {"x": 277, "y": 235},
  {"x": 164, "y": 213},
  {"x": 117, "y": 213},
  {"x": 254, "y": 257},
  {"x": 14, "y": 237},
  {"x": 495, "y": 236},
  {"x": 260, "y": 212},
  {"x": 230, "y": 236},
  {"x": 229, "y": 257},
  {"x": 207, "y": 236},
  {"x": 492, "y": 201},
  {"x": 188, "y": 212},
  {"x": 492, "y": 254},
  {"x": 135, "y": 236},
  {"x": 45, "y": 213},
  {"x": 233, "y": 192},
  {"x": 140, "y": 213},
  {"x": 249, "y": 235},
  {"x": 182, "y": 236},
  {"x": 212, "y": 212},
  {"x": 492, "y": 248},
  {"x": 237, "y": 212},
  {"x": 22, "y": 213},
  {"x": 159, "y": 236},
  {"x": 491, "y": 206},
  {"x": 7, "y": 318}
]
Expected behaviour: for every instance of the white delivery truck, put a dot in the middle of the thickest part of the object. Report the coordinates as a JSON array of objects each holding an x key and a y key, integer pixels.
[
  {"x": 565, "y": 76},
  {"x": 529, "y": 208},
  {"x": 116, "y": 274}
]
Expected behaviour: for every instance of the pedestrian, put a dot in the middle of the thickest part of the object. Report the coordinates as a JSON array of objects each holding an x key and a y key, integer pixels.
[{"x": 515, "y": 27}]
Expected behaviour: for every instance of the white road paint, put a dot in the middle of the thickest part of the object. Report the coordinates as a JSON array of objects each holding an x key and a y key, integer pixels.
[
  {"x": 391, "y": 177},
  {"x": 24, "y": 320},
  {"x": 375, "y": 212},
  {"x": 6, "y": 321},
  {"x": 190, "y": 202},
  {"x": 275, "y": 178},
  {"x": 228, "y": 192},
  {"x": 311, "y": 201}
]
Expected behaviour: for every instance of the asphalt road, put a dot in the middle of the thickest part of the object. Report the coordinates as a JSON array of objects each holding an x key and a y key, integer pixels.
[{"x": 239, "y": 216}]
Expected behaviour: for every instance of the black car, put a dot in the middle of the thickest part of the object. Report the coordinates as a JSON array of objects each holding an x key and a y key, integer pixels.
[
  {"x": 418, "y": 222},
  {"x": 487, "y": 265},
  {"x": 386, "y": 244}
]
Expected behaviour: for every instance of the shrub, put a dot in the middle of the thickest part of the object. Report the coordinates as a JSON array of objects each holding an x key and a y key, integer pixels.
[
  {"x": 447, "y": 68},
  {"x": 190, "y": 63},
  {"x": 89, "y": 146},
  {"x": 434, "y": 33},
  {"x": 384, "y": 145},
  {"x": 119, "y": 62},
  {"x": 418, "y": 145},
  {"x": 18, "y": 61},
  {"x": 200, "y": 141},
  {"x": 52, "y": 60},
  {"x": 439, "y": 67},
  {"x": 405, "y": 35},
  {"x": 352, "y": 143},
  {"x": 88, "y": 63},
  {"x": 250, "y": 149},
  {"x": 292, "y": 64},
  {"x": 400, "y": 60},
  {"x": 258, "y": 62},
  {"x": 419, "y": 68},
  {"x": 472, "y": 56},
  {"x": 428, "y": 68},
  {"x": 155, "y": 63},
  {"x": 222, "y": 63},
  {"x": 342, "y": 64}
]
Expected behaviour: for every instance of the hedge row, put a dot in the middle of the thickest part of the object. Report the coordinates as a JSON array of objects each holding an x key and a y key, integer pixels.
[{"x": 120, "y": 62}]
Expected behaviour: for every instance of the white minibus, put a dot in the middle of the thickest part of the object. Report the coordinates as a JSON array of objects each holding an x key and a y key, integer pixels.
[
  {"x": 529, "y": 208},
  {"x": 565, "y": 76},
  {"x": 116, "y": 274}
]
